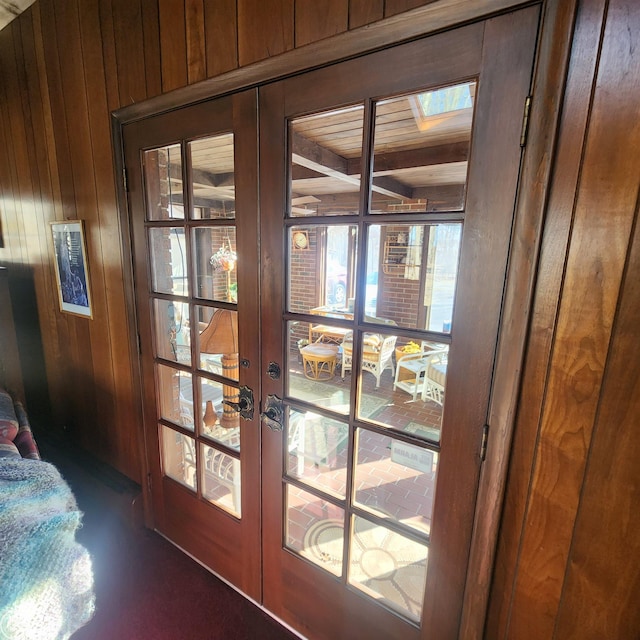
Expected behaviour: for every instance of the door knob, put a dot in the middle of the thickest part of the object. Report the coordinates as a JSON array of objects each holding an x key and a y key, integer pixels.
[
  {"x": 273, "y": 414},
  {"x": 244, "y": 406}
]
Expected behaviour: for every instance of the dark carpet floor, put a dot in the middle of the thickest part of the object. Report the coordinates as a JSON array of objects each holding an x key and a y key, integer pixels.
[{"x": 145, "y": 587}]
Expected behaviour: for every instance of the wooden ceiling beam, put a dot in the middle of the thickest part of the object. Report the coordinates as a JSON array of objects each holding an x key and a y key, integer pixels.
[
  {"x": 309, "y": 154},
  {"x": 206, "y": 203},
  {"x": 424, "y": 157},
  {"x": 388, "y": 186},
  {"x": 203, "y": 178},
  {"x": 302, "y": 173},
  {"x": 441, "y": 197},
  {"x": 315, "y": 155}
]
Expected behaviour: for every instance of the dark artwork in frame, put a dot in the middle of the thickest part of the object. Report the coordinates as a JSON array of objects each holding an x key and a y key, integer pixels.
[{"x": 72, "y": 273}]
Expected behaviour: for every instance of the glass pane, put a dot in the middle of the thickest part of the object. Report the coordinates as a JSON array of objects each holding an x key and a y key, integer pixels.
[
  {"x": 317, "y": 451},
  {"x": 179, "y": 457},
  {"x": 388, "y": 566},
  {"x": 442, "y": 271},
  {"x": 218, "y": 341},
  {"x": 163, "y": 183},
  {"x": 411, "y": 394},
  {"x": 315, "y": 529},
  {"x": 416, "y": 283},
  {"x": 212, "y": 179},
  {"x": 172, "y": 330},
  {"x": 215, "y": 263},
  {"x": 168, "y": 260},
  {"x": 421, "y": 150},
  {"x": 395, "y": 479},
  {"x": 376, "y": 358},
  {"x": 216, "y": 423},
  {"x": 176, "y": 396},
  {"x": 372, "y": 271},
  {"x": 322, "y": 262},
  {"x": 421, "y": 372},
  {"x": 325, "y": 162},
  {"x": 221, "y": 482},
  {"x": 313, "y": 367}
]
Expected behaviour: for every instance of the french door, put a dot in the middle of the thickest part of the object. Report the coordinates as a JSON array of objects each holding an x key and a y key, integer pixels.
[
  {"x": 193, "y": 199},
  {"x": 388, "y": 185},
  {"x": 316, "y": 369}
]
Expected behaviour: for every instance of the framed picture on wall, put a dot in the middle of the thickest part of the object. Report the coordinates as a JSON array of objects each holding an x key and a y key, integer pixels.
[{"x": 72, "y": 274}]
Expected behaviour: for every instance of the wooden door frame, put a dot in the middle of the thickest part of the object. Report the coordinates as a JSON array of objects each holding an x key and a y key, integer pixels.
[{"x": 552, "y": 56}]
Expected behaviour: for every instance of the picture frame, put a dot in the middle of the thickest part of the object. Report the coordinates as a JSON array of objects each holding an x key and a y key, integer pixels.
[{"x": 71, "y": 267}]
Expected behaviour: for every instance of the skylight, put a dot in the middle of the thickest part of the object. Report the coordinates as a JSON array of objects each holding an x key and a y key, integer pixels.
[{"x": 433, "y": 103}]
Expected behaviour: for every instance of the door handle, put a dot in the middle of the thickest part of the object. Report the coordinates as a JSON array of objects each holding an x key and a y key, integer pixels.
[
  {"x": 244, "y": 406},
  {"x": 273, "y": 414}
]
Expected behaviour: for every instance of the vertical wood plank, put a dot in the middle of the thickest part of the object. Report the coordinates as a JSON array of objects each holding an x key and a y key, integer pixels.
[
  {"x": 6, "y": 184},
  {"x": 15, "y": 134},
  {"x": 108, "y": 39},
  {"x": 47, "y": 142},
  {"x": 363, "y": 12},
  {"x": 24, "y": 275},
  {"x": 127, "y": 29},
  {"x": 265, "y": 29},
  {"x": 173, "y": 44},
  {"x": 11, "y": 196},
  {"x": 317, "y": 20},
  {"x": 572, "y": 132},
  {"x": 89, "y": 351},
  {"x": 602, "y": 588},
  {"x": 36, "y": 225},
  {"x": 52, "y": 333},
  {"x": 221, "y": 33},
  {"x": 59, "y": 129},
  {"x": 32, "y": 110},
  {"x": 151, "y": 40},
  {"x": 65, "y": 405},
  {"x": 196, "y": 54},
  {"x": 118, "y": 366},
  {"x": 604, "y": 213}
]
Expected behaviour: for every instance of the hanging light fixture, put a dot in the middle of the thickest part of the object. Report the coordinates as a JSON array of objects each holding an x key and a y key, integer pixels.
[{"x": 224, "y": 259}]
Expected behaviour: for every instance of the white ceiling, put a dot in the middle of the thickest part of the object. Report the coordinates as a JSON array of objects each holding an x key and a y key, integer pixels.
[{"x": 9, "y": 9}]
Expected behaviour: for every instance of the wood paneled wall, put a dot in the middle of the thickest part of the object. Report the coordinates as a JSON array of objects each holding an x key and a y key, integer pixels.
[
  {"x": 569, "y": 551},
  {"x": 568, "y": 562}
]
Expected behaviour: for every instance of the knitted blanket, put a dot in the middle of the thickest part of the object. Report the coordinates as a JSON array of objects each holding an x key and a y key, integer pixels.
[{"x": 46, "y": 580}]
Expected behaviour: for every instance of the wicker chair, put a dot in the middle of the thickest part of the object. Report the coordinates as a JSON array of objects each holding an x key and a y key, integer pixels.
[{"x": 377, "y": 354}]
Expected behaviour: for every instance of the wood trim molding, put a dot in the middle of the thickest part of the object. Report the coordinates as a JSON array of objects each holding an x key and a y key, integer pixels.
[
  {"x": 129, "y": 293},
  {"x": 426, "y": 20},
  {"x": 547, "y": 91}
]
